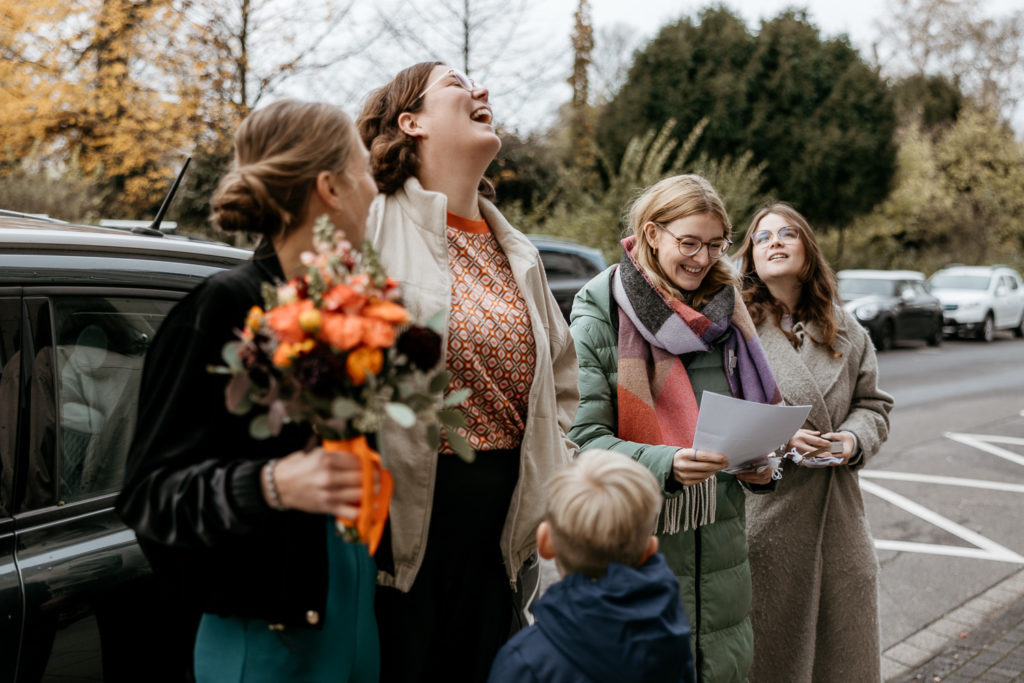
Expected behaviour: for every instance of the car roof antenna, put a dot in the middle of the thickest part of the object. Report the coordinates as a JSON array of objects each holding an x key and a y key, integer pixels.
[{"x": 154, "y": 227}]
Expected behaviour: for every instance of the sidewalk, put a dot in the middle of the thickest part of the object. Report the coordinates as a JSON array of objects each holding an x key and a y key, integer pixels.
[{"x": 982, "y": 640}]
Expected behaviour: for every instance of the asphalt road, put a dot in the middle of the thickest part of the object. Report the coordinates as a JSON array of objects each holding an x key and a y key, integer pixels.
[{"x": 945, "y": 496}]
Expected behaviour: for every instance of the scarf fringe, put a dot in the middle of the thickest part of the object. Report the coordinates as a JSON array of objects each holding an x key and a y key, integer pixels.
[{"x": 694, "y": 507}]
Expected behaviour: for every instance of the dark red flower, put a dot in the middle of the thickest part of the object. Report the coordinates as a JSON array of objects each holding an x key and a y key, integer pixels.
[{"x": 421, "y": 345}]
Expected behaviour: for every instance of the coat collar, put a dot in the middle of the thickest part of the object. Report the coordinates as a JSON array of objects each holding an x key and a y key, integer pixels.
[{"x": 806, "y": 375}]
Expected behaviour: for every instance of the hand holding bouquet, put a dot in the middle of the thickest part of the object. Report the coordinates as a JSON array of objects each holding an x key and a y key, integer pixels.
[{"x": 334, "y": 348}]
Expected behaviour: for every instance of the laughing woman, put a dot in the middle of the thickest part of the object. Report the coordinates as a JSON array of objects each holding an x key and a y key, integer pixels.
[
  {"x": 813, "y": 563},
  {"x": 461, "y": 532},
  {"x": 652, "y": 334}
]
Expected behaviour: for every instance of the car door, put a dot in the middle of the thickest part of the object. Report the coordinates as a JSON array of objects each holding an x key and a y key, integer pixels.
[
  {"x": 10, "y": 390},
  {"x": 88, "y": 608},
  {"x": 1006, "y": 305}
]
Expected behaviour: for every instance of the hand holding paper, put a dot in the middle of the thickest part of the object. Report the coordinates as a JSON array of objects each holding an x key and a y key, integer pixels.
[{"x": 744, "y": 431}]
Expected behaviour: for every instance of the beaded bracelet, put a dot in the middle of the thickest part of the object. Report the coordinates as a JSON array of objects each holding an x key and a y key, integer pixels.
[{"x": 270, "y": 485}]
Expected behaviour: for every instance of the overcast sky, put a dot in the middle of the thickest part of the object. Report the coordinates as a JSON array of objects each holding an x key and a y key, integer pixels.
[{"x": 528, "y": 79}]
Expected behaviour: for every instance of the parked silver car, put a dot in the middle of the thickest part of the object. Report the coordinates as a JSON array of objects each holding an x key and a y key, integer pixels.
[{"x": 978, "y": 300}]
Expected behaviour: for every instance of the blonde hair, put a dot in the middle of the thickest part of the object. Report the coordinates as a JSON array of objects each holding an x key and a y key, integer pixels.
[
  {"x": 669, "y": 200},
  {"x": 602, "y": 508},
  {"x": 280, "y": 150}
]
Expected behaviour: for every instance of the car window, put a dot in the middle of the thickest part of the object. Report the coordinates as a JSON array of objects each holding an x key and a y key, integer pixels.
[
  {"x": 563, "y": 266},
  {"x": 919, "y": 288},
  {"x": 10, "y": 361},
  {"x": 947, "y": 281},
  {"x": 100, "y": 344},
  {"x": 853, "y": 286}
]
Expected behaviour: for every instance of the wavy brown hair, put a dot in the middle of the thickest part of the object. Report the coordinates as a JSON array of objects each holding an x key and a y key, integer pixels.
[
  {"x": 393, "y": 154},
  {"x": 669, "y": 200},
  {"x": 279, "y": 151},
  {"x": 818, "y": 283}
]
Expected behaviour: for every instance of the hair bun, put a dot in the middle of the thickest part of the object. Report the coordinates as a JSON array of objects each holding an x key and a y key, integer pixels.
[{"x": 243, "y": 203}]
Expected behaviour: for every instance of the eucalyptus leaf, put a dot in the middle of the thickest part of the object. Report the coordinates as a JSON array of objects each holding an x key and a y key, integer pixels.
[
  {"x": 230, "y": 355},
  {"x": 236, "y": 395},
  {"x": 259, "y": 428},
  {"x": 344, "y": 408},
  {"x": 456, "y": 397},
  {"x": 460, "y": 445},
  {"x": 433, "y": 436},
  {"x": 401, "y": 414},
  {"x": 276, "y": 417},
  {"x": 437, "y": 321},
  {"x": 440, "y": 381},
  {"x": 451, "y": 417}
]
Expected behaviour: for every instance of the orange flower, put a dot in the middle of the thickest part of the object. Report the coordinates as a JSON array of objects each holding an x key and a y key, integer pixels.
[
  {"x": 363, "y": 360},
  {"x": 343, "y": 298},
  {"x": 284, "y": 320},
  {"x": 387, "y": 311},
  {"x": 254, "y": 319},
  {"x": 378, "y": 333},
  {"x": 283, "y": 355},
  {"x": 341, "y": 331}
]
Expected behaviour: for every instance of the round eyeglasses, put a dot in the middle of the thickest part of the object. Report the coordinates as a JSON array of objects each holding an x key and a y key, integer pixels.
[
  {"x": 787, "y": 234},
  {"x": 691, "y": 246},
  {"x": 461, "y": 80}
]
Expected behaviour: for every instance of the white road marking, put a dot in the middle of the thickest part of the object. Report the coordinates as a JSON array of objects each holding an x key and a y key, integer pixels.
[
  {"x": 983, "y": 442},
  {"x": 985, "y": 548},
  {"x": 945, "y": 481}
]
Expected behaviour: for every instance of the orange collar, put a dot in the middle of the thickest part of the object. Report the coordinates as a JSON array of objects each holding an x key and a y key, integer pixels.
[{"x": 479, "y": 227}]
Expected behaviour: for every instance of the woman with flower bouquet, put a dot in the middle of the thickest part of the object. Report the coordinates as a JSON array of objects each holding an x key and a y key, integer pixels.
[
  {"x": 238, "y": 514},
  {"x": 461, "y": 532}
]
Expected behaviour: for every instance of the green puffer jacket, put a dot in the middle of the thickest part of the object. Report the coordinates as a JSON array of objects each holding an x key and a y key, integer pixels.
[{"x": 711, "y": 562}]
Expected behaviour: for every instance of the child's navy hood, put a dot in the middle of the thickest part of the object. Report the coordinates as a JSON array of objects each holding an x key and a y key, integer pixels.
[{"x": 629, "y": 625}]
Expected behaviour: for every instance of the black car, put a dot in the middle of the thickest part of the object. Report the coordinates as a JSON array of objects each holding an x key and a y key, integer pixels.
[
  {"x": 78, "y": 308},
  {"x": 893, "y": 305},
  {"x": 568, "y": 266}
]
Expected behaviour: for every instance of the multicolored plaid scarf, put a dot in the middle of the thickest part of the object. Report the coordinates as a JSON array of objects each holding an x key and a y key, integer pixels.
[{"x": 656, "y": 401}]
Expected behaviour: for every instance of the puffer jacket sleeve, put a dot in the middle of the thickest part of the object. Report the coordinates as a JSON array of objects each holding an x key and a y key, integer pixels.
[
  {"x": 868, "y": 417},
  {"x": 596, "y": 424}
]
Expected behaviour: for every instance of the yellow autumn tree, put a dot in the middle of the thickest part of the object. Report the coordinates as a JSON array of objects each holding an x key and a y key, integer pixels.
[
  {"x": 78, "y": 79},
  {"x": 130, "y": 87}
]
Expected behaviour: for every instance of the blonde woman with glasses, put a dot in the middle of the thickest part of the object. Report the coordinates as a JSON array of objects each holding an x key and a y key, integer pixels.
[
  {"x": 461, "y": 533},
  {"x": 652, "y": 333},
  {"x": 815, "y": 574}
]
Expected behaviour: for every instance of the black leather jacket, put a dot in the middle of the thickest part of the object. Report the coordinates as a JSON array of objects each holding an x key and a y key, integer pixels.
[{"x": 192, "y": 491}]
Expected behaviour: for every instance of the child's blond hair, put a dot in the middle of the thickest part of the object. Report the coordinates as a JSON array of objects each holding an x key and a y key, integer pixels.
[{"x": 602, "y": 508}]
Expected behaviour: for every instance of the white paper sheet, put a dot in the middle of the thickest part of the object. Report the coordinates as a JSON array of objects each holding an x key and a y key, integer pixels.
[{"x": 743, "y": 431}]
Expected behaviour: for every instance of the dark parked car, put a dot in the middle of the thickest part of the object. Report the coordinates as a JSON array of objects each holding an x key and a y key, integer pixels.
[
  {"x": 78, "y": 308},
  {"x": 569, "y": 266},
  {"x": 893, "y": 305}
]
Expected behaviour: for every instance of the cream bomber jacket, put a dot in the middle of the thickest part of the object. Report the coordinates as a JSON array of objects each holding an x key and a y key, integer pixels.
[{"x": 408, "y": 230}]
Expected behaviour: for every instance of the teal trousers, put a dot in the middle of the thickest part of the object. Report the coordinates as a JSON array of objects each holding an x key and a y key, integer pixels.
[{"x": 346, "y": 650}]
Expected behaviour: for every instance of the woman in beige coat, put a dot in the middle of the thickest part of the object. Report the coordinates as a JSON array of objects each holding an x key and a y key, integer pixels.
[
  {"x": 813, "y": 564},
  {"x": 460, "y": 534}
]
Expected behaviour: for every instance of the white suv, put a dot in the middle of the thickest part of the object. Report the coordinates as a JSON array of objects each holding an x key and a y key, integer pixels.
[{"x": 978, "y": 300}]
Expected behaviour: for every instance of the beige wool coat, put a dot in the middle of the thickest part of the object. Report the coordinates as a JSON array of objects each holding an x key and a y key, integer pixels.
[{"x": 813, "y": 563}]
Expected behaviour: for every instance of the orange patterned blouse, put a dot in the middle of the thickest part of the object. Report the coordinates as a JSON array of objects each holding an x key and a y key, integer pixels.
[{"x": 491, "y": 348}]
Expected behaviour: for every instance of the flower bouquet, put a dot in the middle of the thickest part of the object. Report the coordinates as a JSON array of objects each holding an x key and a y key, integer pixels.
[{"x": 335, "y": 349}]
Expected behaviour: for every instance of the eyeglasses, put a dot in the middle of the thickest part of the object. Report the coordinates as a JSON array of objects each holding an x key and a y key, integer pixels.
[
  {"x": 691, "y": 246},
  {"x": 461, "y": 79},
  {"x": 787, "y": 234}
]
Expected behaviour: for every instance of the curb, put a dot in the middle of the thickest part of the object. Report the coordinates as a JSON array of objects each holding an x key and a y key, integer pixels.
[{"x": 918, "y": 648}]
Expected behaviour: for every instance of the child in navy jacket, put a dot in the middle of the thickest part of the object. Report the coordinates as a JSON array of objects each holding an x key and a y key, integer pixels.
[{"x": 616, "y": 615}]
